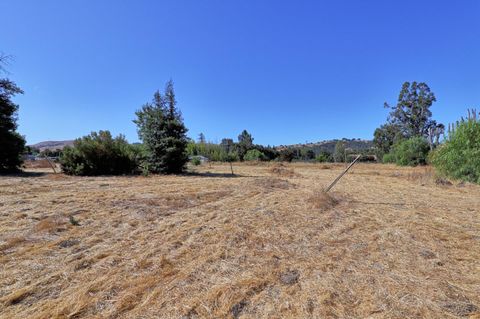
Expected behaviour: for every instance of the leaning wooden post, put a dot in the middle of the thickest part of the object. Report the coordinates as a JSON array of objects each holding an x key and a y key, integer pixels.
[
  {"x": 343, "y": 173},
  {"x": 51, "y": 164}
]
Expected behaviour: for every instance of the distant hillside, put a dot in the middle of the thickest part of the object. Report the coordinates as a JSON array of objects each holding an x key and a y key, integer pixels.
[
  {"x": 52, "y": 145},
  {"x": 329, "y": 146}
]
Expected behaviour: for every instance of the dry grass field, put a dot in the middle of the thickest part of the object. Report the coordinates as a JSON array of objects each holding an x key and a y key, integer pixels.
[{"x": 389, "y": 242}]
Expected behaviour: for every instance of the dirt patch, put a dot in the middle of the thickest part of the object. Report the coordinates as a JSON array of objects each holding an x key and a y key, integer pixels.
[{"x": 42, "y": 163}]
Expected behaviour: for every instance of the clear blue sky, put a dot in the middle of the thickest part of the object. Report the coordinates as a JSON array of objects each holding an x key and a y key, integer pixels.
[{"x": 287, "y": 71}]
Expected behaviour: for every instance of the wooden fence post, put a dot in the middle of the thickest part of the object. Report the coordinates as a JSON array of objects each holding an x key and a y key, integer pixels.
[{"x": 343, "y": 173}]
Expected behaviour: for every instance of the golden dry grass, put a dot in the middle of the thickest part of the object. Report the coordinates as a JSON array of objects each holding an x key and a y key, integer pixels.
[{"x": 388, "y": 242}]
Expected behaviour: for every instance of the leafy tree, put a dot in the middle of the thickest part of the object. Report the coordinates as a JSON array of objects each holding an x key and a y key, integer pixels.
[
  {"x": 12, "y": 144},
  {"x": 412, "y": 111},
  {"x": 245, "y": 143},
  {"x": 161, "y": 128},
  {"x": 339, "y": 152},
  {"x": 286, "y": 155},
  {"x": 254, "y": 155},
  {"x": 269, "y": 152},
  {"x": 100, "y": 154},
  {"x": 212, "y": 151},
  {"x": 303, "y": 153},
  {"x": 384, "y": 138},
  {"x": 232, "y": 157},
  {"x": 227, "y": 144}
]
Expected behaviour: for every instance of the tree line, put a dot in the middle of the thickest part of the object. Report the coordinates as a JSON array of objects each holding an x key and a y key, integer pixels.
[{"x": 409, "y": 137}]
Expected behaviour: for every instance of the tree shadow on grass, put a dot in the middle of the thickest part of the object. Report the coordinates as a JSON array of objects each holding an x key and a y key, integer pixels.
[
  {"x": 380, "y": 203},
  {"x": 210, "y": 174},
  {"x": 24, "y": 174}
]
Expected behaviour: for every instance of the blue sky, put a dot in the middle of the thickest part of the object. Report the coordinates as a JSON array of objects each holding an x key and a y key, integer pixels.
[{"x": 287, "y": 71}]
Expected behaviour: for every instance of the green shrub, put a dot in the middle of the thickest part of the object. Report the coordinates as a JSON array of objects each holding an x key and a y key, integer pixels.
[
  {"x": 411, "y": 152},
  {"x": 254, "y": 155},
  {"x": 196, "y": 161},
  {"x": 232, "y": 157},
  {"x": 459, "y": 157},
  {"x": 324, "y": 157},
  {"x": 100, "y": 154},
  {"x": 388, "y": 158}
]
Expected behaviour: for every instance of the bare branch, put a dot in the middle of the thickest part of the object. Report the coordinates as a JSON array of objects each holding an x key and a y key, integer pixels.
[{"x": 4, "y": 61}]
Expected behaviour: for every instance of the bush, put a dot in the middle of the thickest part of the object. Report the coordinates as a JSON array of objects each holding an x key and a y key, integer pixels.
[
  {"x": 232, "y": 157},
  {"x": 411, "y": 152},
  {"x": 459, "y": 157},
  {"x": 100, "y": 154},
  {"x": 323, "y": 157},
  {"x": 388, "y": 158},
  {"x": 254, "y": 155},
  {"x": 196, "y": 161}
]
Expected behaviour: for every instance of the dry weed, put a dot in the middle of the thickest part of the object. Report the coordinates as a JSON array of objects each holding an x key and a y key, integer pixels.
[
  {"x": 271, "y": 184},
  {"x": 15, "y": 297},
  {"x": 12, "y": 242},
  {"x": 253, "y": 246},
  {"x": 42, "y": 163},
  {"x": 323, "y": 201},
  {"x": 283, "y": 171}
]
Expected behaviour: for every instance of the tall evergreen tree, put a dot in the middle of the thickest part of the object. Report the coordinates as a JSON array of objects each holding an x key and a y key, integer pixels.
[
  {"x": 161, "y": 128},
  {"x": 12, "y": 144},
  {"x": 245, "y": 143},
  {"x": 201, "y": 138}
]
